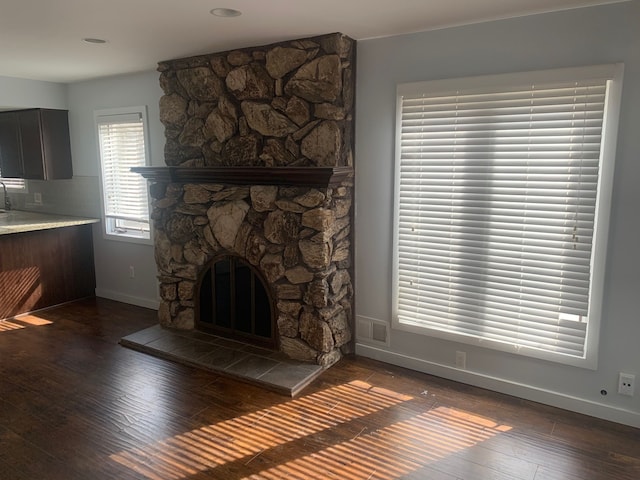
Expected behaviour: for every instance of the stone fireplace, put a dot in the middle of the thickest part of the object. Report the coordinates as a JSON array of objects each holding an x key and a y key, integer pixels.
[{"x": 259, "y": 154}]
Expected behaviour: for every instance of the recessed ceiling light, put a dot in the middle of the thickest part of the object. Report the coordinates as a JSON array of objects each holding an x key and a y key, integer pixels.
[
  {"x": 94, "y": 40},
  {"x": 225, "y": 12}
]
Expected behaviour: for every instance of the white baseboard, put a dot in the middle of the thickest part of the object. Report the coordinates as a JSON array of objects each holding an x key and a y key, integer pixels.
[
  {"x": 527, "y": 392},
  {"x": 130, "y": 299}
]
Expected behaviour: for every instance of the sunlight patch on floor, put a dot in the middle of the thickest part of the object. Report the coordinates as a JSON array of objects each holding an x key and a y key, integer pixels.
[
  {"x": 245, "y": 437},
  {"x": 33, "y": 320},
  {"x": 22, "y": 321},
  {"x": 394, "y": 451},
  {"x": 406, "y": 441}
]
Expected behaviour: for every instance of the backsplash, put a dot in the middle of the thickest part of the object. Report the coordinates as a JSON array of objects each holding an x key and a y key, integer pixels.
[{"x": 79, "y": 196}]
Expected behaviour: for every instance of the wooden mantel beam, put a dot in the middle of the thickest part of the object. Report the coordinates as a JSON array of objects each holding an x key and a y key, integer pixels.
[{"x": 290, "y": 176}]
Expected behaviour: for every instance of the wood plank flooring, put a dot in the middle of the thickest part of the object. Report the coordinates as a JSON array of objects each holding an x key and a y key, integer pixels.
[{"x": 76, "y": 405}]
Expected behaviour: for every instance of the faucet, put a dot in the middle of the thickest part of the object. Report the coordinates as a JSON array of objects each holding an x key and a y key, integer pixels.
[{"x": 7, "y": 200}]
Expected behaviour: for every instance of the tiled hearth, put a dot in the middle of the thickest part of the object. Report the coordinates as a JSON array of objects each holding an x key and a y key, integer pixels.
[{"x": 266, "y": 368}]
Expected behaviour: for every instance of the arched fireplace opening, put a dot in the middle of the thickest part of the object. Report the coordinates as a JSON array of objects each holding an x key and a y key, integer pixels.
[{"x": 233, "y": 302}]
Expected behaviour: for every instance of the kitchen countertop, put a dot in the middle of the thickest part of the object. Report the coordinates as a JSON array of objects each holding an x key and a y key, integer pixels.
[{"x": 17, "y": 221}]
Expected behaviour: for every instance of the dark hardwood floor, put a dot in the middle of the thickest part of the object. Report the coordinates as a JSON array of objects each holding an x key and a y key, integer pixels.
[{"x": 76, "y": 405}]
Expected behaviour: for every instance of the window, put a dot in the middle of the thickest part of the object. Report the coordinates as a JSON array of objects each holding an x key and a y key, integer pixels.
[
  {"x": 14, "y": 184},
  {"x": 122, "y": 145},
  {"x": 503, "y": 186}
]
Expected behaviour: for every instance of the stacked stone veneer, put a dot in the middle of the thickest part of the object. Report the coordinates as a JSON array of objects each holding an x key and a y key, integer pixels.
[{"x": 288, "y": 104}]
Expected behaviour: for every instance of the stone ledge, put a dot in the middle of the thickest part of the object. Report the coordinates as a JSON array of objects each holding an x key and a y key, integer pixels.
[{"x": 290, "y": 176}]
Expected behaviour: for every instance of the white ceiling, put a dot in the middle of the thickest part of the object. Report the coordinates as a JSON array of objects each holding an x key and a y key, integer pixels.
[{"x": 42, "y": 39}]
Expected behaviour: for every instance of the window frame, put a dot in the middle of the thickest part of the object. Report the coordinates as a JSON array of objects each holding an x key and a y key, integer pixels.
[
  {"x": 109, "y": 223},
  {"x": 613, "y": 72}
]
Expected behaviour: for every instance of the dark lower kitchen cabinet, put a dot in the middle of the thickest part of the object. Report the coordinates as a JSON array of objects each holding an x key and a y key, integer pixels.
[
  {"x": 39, "y": 269},
  {"x": 35, "y": 144}
]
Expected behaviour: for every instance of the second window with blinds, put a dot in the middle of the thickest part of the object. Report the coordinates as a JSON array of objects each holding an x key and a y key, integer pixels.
[
  {"x": 503, "y": 186},
  {"x": 122, "y": 143}
]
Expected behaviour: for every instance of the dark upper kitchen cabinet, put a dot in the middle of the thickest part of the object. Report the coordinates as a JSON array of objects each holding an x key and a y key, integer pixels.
[
  {"x": 34, "y": 144},
  {"x": 10, "y": 153}
]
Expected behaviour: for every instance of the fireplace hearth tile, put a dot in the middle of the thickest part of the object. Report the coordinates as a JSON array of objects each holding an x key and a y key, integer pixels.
[
  {"x": 194, "y": 351},
  {"x": 147, "y": 335},
  {"x": 222, "y": 357},
  {"x": 225, "y": 342},
  {"x": 263, "y": 352},
  {"x": 294, "y": 377},
  {"x": 252, "y": 366},
  {"x": 248, "y": 363},
  {"x": 170, "y": 343}
]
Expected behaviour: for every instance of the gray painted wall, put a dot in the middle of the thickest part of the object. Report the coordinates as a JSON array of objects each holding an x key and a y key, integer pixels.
[
  {"x": 23, "y": 93},
  {"x": 113, "y": 258},
  {"x": 589, "y": 36}
]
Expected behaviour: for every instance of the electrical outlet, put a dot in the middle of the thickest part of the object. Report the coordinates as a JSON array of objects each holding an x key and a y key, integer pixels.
[
  {"x": 132, "y": 272},
  {"x": 37, "y": 198},
  {"x": 626, "y": 383},
  {"x": 461, "y": 359}
]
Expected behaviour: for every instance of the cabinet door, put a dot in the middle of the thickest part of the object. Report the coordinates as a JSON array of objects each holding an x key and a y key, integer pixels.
[
  {"x": 31, "y": 140},
  {"x": 56, "y": 144},
  {"x": 10, "y": 151}
]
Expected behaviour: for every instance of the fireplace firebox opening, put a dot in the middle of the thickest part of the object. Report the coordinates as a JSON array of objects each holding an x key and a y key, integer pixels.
[{"x": 234, "y": 303}]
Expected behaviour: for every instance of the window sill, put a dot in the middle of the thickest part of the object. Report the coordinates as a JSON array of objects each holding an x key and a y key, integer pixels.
[{"x": 129, "y": 238}]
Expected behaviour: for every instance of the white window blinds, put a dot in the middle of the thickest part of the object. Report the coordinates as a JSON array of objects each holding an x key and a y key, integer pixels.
[
  {"x": 122, "y": 146},
  {"x": 497, "y": 189},
  {"x": 15, "y": 184}
]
